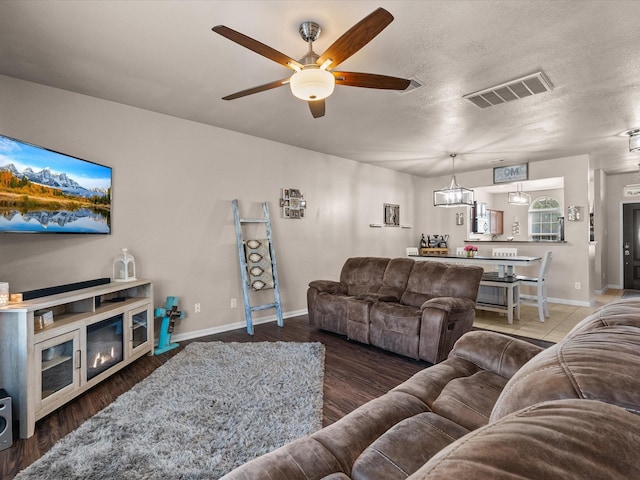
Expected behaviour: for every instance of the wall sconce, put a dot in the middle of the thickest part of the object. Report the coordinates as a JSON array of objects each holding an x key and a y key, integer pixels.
[
  {"x": 574, "y": 213},
  {"x": 460, "y": 218}
]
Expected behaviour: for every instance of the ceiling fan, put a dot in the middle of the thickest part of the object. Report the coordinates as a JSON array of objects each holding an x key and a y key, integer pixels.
[{"x": 314, "y": 76}]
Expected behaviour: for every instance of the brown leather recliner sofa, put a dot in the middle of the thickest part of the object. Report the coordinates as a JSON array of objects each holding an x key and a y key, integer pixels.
[
  {"x": 497, "y": 408},
  {"x": 413, "y": 308}
]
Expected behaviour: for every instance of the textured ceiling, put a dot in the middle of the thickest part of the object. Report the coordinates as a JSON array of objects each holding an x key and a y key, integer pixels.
[{"x": 163, "y": 56}]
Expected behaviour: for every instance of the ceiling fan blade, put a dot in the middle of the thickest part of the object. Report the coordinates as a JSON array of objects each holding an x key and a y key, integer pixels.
[
  {"x": 317, "y": 108},
  {"x": 261, "y": 88},
  {"x": 371, "y": 80},
  {"x": 256, "y": 46},
  {"x": 356, "y": 37}
]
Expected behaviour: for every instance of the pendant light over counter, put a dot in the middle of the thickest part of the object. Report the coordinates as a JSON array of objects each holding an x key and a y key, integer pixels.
[
  {"x": 453, "y": 195},
  {"x": 519, "y": 197}
]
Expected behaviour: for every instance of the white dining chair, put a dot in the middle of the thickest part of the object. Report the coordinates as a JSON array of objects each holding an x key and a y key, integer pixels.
[
  {"x": 504, "y": 252},
  {"x": 412, "y": 251},
  {"x": 540, "y": 282},
  {"x": 461, "y": 252}
]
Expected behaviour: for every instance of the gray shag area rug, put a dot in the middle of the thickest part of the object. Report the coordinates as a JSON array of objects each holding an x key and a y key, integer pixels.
[
  {"x": 631, "y": 294},
  {"x": 209, "y": 409}
]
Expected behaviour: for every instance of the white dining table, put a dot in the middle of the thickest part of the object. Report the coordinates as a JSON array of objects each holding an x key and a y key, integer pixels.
[{"x": 505, "y": 264}]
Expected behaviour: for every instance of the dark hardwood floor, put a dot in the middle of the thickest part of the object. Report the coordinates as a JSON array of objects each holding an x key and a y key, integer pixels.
[{"x": 354, "y": 374}]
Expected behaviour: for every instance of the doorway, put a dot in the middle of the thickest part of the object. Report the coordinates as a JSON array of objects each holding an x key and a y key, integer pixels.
[{"x": 631, "y": 245}]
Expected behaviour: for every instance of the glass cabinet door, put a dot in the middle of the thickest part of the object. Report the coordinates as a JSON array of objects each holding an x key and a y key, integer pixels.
[
  {"x": 57, "y": 367},
  {"x": 139, "y": 329}
]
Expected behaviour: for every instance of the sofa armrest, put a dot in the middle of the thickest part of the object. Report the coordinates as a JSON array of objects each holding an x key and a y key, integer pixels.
[
  {"x": 329, "y": 286},
  {"x": 495, "y": 352},
  {"x": 377, "y": 297},
  {"x": 444, "y": 320},
  {"x": 450, "y": 304}
]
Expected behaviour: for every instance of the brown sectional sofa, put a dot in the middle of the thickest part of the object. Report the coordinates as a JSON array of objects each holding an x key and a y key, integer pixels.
[
  {"x": 497, "y": 408},
  {"x": 413, "y": 308}
]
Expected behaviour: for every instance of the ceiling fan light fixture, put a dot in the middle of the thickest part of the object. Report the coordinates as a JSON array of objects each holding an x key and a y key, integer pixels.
[
  {"x": 312, "y": 83},
  {"x": 453, "y": 195}
]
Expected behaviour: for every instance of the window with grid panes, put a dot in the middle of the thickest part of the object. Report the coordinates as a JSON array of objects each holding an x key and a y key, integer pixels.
[{"x": 543, "y": 219}]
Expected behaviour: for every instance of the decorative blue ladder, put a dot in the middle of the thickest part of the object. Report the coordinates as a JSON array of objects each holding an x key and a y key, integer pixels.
[{"x": 248, "y": 308}]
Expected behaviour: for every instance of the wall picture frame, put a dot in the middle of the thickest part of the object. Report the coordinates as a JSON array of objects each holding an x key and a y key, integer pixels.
[
  {"x": 292, "y": 203},
  {"x": 391, "y": 215},
  {"x": 511, "y": 173}
]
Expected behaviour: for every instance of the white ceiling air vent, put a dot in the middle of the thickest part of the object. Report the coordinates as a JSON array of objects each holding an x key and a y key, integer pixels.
[
  {"x": 415, "y": 83},
  {"x": 505, "y": 92}
]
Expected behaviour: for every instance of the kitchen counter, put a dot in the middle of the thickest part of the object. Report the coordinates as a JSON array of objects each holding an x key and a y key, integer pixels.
[{"x": 543, "y": 242}]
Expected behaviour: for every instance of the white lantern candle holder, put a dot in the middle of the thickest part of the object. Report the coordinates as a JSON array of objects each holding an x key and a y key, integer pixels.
[
  {"x": 124, "y": 267},
  {"x": 4, "y": 293}
]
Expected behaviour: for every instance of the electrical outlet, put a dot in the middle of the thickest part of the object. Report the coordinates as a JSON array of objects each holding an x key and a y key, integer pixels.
[
  {"x": 234, "y": 302},
  {"x": 578, "y": 286},
  {"x": 197, "y": 308}
]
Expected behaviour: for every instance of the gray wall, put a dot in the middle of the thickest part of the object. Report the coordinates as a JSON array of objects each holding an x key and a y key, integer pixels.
[{"x": 172, "y": 189}]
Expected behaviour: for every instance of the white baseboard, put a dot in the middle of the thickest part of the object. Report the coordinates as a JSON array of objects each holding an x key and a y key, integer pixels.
[
  {"x": 179, "y": 337},
  {"x": 563, "y": 301}
]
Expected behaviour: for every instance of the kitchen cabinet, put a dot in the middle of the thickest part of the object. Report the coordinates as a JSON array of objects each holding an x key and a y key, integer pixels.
[
  {"x": 496, "y": 221},
  {"x": 485, "y": 220}
]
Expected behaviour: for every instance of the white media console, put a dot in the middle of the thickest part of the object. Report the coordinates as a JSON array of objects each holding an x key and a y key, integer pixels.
[{"x": 55, "y": 347}]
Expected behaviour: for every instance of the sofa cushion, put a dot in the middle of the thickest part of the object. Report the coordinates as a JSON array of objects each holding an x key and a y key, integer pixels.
[
  {"x": 395, "y": 317},
  {"x": 576, "y": 439},
  {"x": 293, "y": 460},
  {"x": 396, "y": 276},
  {"x": 620, "y": 312},
  {"x": 406, "y": 447},
  {"x": 349, "y": 437},
  {"x": 396, "y": 328},
  {"x": 363, "y": 274},
  {"x": 468, "y": 401},
  {"x": 428, "y": 383},
  {"x": 434, "y": 279},
  {"x": 600, "y": 364}
]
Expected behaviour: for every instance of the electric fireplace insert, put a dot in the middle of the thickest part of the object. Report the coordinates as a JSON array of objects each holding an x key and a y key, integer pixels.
[{"x": 105, "y": 343}]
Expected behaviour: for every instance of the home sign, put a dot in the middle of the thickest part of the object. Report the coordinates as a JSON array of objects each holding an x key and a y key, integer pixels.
[{"x": 513, "y": 173}]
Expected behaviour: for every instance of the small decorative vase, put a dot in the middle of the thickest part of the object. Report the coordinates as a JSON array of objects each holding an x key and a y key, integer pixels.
[{"x": 470, "y": 253}]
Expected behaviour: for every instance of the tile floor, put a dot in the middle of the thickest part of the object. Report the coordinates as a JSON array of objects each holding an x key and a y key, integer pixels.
[{"x": 562, "y": 319}]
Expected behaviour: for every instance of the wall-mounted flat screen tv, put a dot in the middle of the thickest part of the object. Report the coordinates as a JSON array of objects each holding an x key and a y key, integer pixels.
[{"x": 42, "y": 191}]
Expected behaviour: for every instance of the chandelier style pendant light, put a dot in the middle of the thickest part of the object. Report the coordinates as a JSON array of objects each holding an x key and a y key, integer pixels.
[
  {"x": 453, "y": 195},
  {"x": 634, "y": 140},
  {"x": 519, "y": 197}
]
